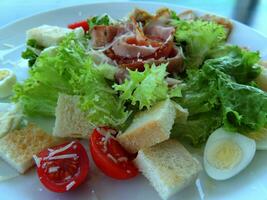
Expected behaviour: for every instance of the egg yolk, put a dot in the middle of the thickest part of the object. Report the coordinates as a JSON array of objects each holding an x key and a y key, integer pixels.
[
  {"x": 3, "y": 74},
  {"x": 224, "y": 154}
]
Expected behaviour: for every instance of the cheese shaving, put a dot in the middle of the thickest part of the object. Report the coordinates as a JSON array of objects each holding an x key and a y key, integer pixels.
[
  {"x": 37, "y": 160},
  {"x": 54, "y": 152},
  {"x": 63, "y": 157},
  {"x": 107, "y": 135},
  {"x": 11, "y": 46},
  {"x": 70, "y": 185},
  {"x": 122, "y": 159},
  {"x": 112, "y": 158},
  {"x": 68, "y": 178},
  {"x": 200, "y": 189},
  {"x": 53, "y": 169}
]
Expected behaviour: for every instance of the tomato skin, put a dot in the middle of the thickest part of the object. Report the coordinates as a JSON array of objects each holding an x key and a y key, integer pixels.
[
  {"x": 82, "y": 24},
  {"x": 117, "y": 170},
  {"x": 59, "y": 182}
]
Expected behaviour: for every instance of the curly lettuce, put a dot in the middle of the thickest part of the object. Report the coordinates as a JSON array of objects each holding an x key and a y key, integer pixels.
[
  {"x": 197, "y": 38},
  {"x": 147, "y": 87},
  {"x": 71, "y": 71},
  {"x": 32, "y": 52}
]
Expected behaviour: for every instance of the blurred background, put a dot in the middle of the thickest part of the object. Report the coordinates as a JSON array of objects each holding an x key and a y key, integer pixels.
[{"x": 250, "y": 12}]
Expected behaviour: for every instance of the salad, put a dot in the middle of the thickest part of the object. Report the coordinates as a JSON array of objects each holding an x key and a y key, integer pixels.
[
  {"x": 119, "y": 68},
  {"x": 215, "y": 81}
]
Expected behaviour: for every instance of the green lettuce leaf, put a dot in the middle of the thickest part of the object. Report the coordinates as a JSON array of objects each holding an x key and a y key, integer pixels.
[
  {"x": 215, "y": 96},
  {"x": 99, "y": 20},
  {"x": 147, "y": 87},
  {"x": 32, "y": 52},
  {"x": 71, "y": 71},
  {"x": 98, "y": 99},
  {"x": 197, "y": 128},
  {"x": 198, "y": 38},
  {"x": 244, "y": 107},
  {"x": 240, "y": 64},
  {"x": 36, "y": 98}
]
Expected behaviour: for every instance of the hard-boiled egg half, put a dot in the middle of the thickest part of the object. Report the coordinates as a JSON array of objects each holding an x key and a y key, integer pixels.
[
  {"x": 227, "y": 153},
  {"x": 7, "y": 80}
]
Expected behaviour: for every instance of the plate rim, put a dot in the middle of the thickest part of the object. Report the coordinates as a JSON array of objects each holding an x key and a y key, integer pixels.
[
  {"x": 149, "y": 2},
  {"x": 11, "y": 24}
]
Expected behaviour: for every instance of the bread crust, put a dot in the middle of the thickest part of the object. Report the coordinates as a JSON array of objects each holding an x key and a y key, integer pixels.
[
  {"x": 70, "y": 120},
  {"x": 18, "y": 147},
  {"x": 168, "y": 166},
  {"x": 149, "y": 127}
]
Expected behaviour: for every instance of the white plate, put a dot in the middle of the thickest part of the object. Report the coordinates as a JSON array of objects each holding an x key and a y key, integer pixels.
[{"x": 250, "y": 184}]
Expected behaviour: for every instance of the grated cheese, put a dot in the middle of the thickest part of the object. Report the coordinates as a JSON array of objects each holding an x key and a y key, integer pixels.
[
  {"x": 53, "y": 169},
  {"x": 54, "y": 152},
  {"x": 112, "y": 158},
  {"x": 107, "y": 135},
  {"x": 122, "y": 159},
  {"x": 11, "y": 46},
  {"x": 200, "y": 189},
  {"x": 73, "y": 155},
  {"x": 68, "y": 178},
  {"x": 70, "y": 185},
  {"x": 37, "y": 160}
]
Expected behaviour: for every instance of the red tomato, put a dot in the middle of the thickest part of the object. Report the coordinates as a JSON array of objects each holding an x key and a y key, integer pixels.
[
  {"x": 82, "y": 24},
  {"x": 110, "y": 157},
  {"x": 63, "y": 167}
]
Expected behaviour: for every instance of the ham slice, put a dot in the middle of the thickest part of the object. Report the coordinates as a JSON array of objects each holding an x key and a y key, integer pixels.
[
  {"x": 102, "y": 35},
  {"x": 162, "y": 32},
  {"x": 124, "y": 49},
  {"x": 174, "y": 60},
  {"x": 131, "y": 45}
]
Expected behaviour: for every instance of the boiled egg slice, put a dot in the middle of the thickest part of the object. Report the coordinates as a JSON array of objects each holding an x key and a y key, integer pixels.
[
  {"x": 227, "y": 153},
  {"x": 7, "y": 80}
]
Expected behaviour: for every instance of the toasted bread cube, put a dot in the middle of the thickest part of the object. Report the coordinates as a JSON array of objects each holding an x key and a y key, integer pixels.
[
  {"x": 168, "y": 166},
  {"x": 70, "y": 120},
  {"x": 18, "y": 147},
  {"x": 47, "y": 35},
  {"x": 149, "y": 127}
]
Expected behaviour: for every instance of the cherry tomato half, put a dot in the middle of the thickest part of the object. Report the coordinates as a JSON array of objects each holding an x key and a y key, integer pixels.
[
  {"x": 63, "y": 167},
  {"x": 110, "y": 157},
  {"x": 83, "y": 24}
]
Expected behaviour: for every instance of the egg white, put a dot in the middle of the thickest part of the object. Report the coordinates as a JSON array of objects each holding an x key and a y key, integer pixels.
[
  {"x": 6, "y": 83},
  {"x": 238, "y": 148}
]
